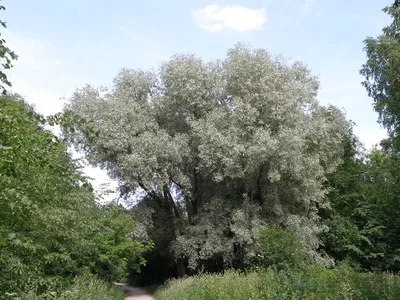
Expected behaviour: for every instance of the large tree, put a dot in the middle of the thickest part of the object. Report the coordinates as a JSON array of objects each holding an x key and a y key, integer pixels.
[
  {"x": 382, "y": 75},
  {"x": 215, "y": 149},
  {"x": 382, "y": 82}
]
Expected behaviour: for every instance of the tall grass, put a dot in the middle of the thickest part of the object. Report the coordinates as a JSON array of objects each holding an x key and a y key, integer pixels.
[
  {"x": 313, "y": 283},
  {"x": 86, "y": 287},
  {"x": 89, "y": 287}
]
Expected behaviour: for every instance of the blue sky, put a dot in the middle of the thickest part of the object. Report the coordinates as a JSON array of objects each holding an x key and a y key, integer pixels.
[{"x": 64, "y": 44}]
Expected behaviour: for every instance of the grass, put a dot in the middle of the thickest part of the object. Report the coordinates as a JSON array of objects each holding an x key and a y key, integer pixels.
[
  {"x": 91, "y": 288},
  {"x": 314, "y": 283},
  {"x": 86, "y": 287}
]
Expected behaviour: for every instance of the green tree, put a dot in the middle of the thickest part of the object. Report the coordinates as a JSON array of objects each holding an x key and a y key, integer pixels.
[
  {"x": 347, "y": 214},
  {"x": 363, "y": 220},
  {"x": 383, "y": 220},
  {"x": 218, "y": 147},
  {"x": 381, "y": 72},
  {"x": 51, "y": 228}
]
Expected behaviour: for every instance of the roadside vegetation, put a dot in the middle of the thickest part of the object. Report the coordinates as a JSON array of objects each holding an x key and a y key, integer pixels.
[{"x": 312, "y": 283}]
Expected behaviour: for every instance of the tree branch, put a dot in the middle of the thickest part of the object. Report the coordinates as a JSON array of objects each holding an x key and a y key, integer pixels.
[{"x": 150, "y": 193}]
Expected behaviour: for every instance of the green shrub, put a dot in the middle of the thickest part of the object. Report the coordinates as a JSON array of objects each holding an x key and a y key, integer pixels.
[
  {"x": 312, "y": 283},
  {"x": 280, "y": 248}
]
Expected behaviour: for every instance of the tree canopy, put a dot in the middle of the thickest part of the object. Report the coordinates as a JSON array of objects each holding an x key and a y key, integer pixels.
[
  {"x": 218, "y": 146},
  {"x": 381, "y": 73}
]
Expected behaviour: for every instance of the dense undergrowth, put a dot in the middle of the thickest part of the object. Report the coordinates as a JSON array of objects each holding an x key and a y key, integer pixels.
[{"x": 311, "y": 283}]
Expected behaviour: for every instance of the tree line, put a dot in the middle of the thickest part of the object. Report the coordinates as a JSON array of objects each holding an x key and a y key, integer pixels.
[{"x": 231, "y": 163}]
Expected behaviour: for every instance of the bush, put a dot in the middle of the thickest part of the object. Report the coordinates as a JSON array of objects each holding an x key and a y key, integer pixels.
[
  {"x": 312, "y": 283},
  {"x": 280, "y": 248}
]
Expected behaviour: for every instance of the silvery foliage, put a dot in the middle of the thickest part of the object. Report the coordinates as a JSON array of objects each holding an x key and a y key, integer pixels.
[{"x": 221, "y": 137}]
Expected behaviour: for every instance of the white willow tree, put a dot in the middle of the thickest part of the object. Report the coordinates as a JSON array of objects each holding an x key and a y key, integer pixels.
[{"x": 218, "y": 148}]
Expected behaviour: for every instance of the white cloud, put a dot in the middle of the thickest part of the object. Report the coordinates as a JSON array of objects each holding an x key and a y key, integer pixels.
[
  {"x": 306, "y": 7},
  {"x": 237, "y": 18}
]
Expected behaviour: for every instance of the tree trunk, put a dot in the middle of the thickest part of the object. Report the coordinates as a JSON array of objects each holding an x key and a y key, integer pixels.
[
  {"x": 259, "y": 194},
  {"x": 198, "y": 201},
  {"x": 170, "y": 201},
  {"x": 181, "y": 267}
]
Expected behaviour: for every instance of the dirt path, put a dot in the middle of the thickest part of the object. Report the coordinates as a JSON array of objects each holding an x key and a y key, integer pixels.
[{"x": 134, "y": 293}]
